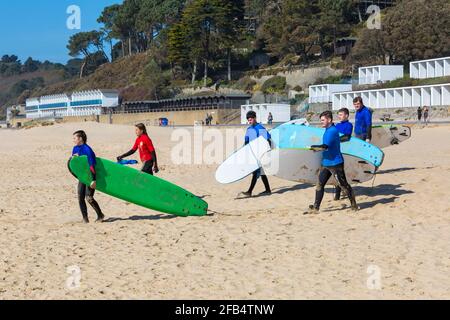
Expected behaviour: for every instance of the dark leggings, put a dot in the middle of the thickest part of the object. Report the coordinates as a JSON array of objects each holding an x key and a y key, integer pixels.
[
  {"x": 339, "y": 174},
  {"x": 87, "y": 193},
  {"x": 255, "y": 177},
  {"x": 148, "y": 167}
]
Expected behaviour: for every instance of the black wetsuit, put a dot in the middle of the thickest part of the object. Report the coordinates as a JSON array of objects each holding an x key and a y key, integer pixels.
[
  {"x": 339, "y": 174},
  {"x": 255, "y": 177},
  {"x": 87, "y": 193},
  {"x": 147, "y": 167}
]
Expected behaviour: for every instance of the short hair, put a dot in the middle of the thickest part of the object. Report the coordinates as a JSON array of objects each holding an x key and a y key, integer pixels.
[
  {"x": 81, "y": 134},
  {"x": 251, "y": 114},
  {"x": 327, "y": 114},
  {"x": 344, "y": 110},
  {"x": 358, "y": 99}
]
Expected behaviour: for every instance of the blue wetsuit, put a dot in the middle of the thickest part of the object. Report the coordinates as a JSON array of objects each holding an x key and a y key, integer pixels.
[
  {"x": 363, "y": 124},
  {"x": 345, "y": 128},
  {"x": 254, "y": 132},
  {"x": 85, "y": 150}
]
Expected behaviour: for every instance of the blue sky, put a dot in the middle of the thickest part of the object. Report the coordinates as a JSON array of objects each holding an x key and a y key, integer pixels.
[{"x": 38, "y": 28}]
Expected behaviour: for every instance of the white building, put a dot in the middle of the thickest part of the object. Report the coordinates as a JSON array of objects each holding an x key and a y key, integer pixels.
[
  {"x": 431, "y": 68},
  {"x": 32, "y": 108},
  {"x": 430, "y": 95},
  {"x": 280, "y": 112},
  {"x": 84, "y": 103},
  {"x": 323, "y": 93},
  {"x": 380, "y": 73},
  {"x": 53, "y": 106}
]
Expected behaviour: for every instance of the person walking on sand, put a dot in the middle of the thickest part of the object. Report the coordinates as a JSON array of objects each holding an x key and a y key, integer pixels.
[
  {"x": 345, "y": 127},
  {"x": 210, "y": 119},
  {"x": 363, "y": 120},
  {"x": 332, "y": 163},
  {"x": 270, "y": 119},
  {"x": 146, "y": 149},
  {"x": 86, "y": 192},
  {"x": 253, "y": 132},
  {"x": 425, "y": 115},
  {"x": 419, "y": 114}
]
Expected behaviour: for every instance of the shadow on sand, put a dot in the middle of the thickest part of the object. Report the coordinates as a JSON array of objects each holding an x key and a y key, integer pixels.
[
  {"x": 281, "y": 190},
  {"x": 284, "y": 190},
  {"x": 395, "y": 170},
  {"x": 391, "y": 191},
  {"x": 382, "y": 190},
  {"x": 141, "y": 218}
]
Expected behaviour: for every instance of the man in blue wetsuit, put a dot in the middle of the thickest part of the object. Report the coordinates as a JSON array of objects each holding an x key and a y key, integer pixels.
[
  {"x": 332, "y": 163},
  {"x": 363, "y": 120},
  {"x": 82, "y": 149},
  {"x": 345, "y": 127},
  {"x": 253, "y": 132}
]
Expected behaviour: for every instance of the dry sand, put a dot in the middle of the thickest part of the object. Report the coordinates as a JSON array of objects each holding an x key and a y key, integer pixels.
[{"x": 262, "y": 248}]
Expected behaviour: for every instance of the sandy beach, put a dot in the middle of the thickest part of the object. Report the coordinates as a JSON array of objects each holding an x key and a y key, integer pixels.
[{"x": 260, "y": 248}]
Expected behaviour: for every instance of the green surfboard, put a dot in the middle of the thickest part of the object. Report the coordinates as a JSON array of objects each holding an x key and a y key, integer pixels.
[{"x": 139, "y": 188}]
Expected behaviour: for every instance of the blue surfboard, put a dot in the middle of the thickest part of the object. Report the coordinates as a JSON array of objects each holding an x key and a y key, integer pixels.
[{"x": 292, "y": 136}]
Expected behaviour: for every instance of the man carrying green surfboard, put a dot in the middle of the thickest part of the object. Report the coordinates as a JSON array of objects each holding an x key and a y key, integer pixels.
[
  {"x": 86, "y": 192},
  {"x": 332, "y": 163},
  {"x": 146, "y": 149}
]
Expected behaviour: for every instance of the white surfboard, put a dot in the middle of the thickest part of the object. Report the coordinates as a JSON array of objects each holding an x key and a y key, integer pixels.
[
  {"x": 243, "y": 162},
  {"x": 386, "y": 136},
  {"x": 303, "y": 165}
]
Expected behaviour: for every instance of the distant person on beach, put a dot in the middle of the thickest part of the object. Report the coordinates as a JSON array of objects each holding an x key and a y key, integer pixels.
[
  {"x": 253, "y": 132},
  {"x": 425, "y": 115},
  {"x": 332, "y": 163},
  {"x": 86, "y": 192},
  {"x": 270, "y": 119},
  {"x": 146, "y": 149},
  {"x": 363, "y": 120},
  {"x": 419, "y": 114},
  {"x": 345, "y": 127},
  {"x": 210, "y": 119}
]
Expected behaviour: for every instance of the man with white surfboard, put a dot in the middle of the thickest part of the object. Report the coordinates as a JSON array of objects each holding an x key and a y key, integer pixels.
[
  {"x": 255, "y": 131},
  {"x": 332, "y": 163}
]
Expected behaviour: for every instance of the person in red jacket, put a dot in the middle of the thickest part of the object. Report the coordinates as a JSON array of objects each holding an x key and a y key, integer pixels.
[{"x": 146, "y": 149}]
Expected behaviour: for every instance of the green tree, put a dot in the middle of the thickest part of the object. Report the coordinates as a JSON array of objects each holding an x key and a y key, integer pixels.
[
  {"x": 290, "y": 26},
  {"x": 30, "y": 65},
  {"x": 87, "y": 44},
  {"x": 156, "y": 15},
  {"x": 411, "y": 30},
  {"x": 336, "y": 19},
  {"x": 207, "y": 27},
  {"x": 107, "y": 19}
]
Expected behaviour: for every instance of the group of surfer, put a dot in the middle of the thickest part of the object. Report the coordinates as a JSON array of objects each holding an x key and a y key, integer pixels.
[
  {"x": 333, "y": 161},
  {"x": 147, "y": 155}
]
